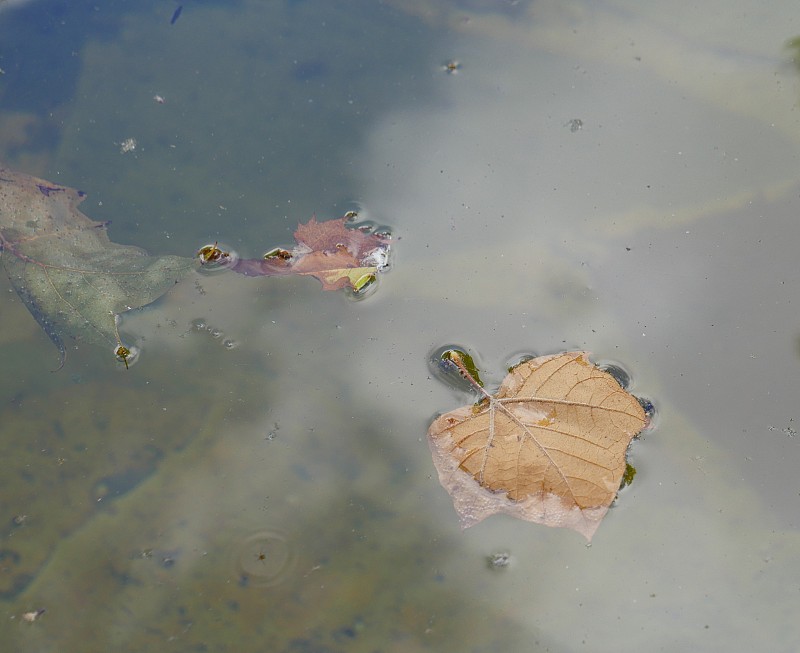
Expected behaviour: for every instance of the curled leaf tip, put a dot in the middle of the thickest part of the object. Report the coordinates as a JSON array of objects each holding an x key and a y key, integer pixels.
[
  {"x": 212, "y": 254},
  {"x": 278, "y": 253}
]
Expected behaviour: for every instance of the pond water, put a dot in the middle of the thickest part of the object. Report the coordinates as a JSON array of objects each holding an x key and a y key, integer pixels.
[{"x": 612, "y": 176}]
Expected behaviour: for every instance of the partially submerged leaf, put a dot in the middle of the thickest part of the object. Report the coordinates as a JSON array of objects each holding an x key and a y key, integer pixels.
[
  {"x": 76, "y": 282},
  {"x": 340, "y": 257},
  {"x": 72, "y": 278},
  {"x": 549, "y": 447}
]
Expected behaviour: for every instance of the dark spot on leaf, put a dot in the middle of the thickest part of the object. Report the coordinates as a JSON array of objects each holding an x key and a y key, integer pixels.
[{"x": 46, "y": 190}]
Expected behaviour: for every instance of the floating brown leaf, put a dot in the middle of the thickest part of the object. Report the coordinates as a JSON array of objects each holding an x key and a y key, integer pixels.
[
  {"x": 76, "y": 282},
  {"x": 549, "y": 447},
  {"x": 338, "y": 256}
]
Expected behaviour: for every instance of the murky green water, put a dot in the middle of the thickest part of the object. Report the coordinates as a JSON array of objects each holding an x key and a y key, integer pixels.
[{"x": 610, "y": 176}]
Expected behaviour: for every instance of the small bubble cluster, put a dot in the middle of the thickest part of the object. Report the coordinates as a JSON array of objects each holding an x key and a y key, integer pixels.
[
  {"x": 201, "y": 325},
  {"x": 498, "y": 560}
]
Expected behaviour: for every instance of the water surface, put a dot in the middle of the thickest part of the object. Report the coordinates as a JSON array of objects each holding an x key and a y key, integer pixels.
[{"x": 610, "y": 176}]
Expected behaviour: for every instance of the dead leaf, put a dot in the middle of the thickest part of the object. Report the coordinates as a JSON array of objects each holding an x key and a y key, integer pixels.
[
  {"x": 340, "y": 257},
  {"x": 72, "y": 278},
  {"x": 76, "y": 282},
  {"x": 549, "y": 447}
]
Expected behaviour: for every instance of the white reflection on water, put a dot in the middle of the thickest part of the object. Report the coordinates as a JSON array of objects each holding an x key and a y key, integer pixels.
[{"x": 665, "y": 227}]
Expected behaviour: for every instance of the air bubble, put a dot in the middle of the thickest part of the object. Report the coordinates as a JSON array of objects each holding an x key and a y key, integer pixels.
[
  {"x": 198, "y": 324},
  {"x": 214, "y": 332},
  {"x": 229, "y": 344}
]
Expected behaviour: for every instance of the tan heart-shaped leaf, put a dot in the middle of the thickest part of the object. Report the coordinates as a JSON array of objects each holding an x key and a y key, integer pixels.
[{"x": 549, "y": 447}]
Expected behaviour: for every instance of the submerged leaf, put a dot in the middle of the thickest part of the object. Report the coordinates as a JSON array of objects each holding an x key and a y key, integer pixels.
[
  {"x": 72, "y": 278},
  {"x": 549, "y": 447}
]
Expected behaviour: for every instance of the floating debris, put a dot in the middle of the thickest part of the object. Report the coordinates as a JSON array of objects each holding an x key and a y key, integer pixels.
[
  {"x": 159, "y": 99},
  {"x": 576, "y": 124},
  {"x": 33, "y": 615},
  {"x": 176, "y": 14},
  {"x": 212, "y": 254},
  {"x": 123, "y": 354},
  {"x": 498, "y": 560},
  {"x": 128, "y": 145},
  {"x": 451, "y": 67}
]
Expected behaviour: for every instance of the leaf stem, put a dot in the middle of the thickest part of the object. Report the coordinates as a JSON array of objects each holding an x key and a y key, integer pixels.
[{"x": 453, "y": 357}]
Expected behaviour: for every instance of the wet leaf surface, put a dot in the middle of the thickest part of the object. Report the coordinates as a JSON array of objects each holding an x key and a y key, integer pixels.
[
  {"x": 76, "y": 282},
  {"x": 340, "y": 257},
  {"x": 548, "y": 447}
]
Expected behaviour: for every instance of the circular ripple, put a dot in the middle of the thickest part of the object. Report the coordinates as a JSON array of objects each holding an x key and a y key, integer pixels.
[{"x": 264, "y": 559}]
